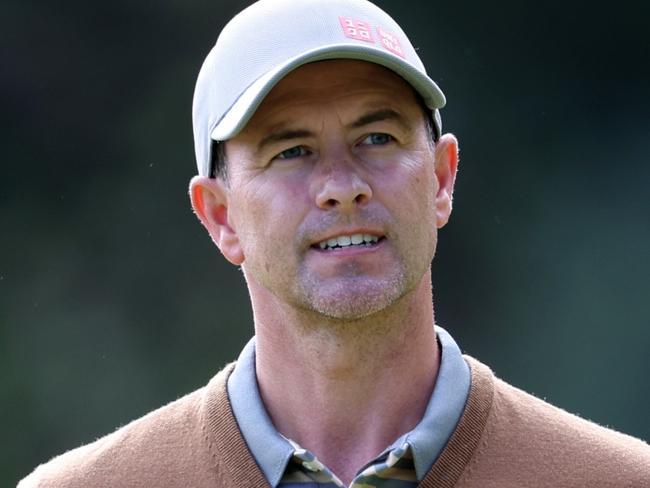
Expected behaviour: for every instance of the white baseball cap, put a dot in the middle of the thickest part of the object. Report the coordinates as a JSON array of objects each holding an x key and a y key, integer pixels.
[{"x": 270, "y": 38}]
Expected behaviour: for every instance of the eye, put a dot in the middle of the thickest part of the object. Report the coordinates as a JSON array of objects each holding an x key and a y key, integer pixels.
[
  {"x": 292, "y": 152},
  {"x": 377, "y": 139}
]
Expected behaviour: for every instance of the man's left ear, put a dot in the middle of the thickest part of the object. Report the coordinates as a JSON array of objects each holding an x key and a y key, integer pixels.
[{"x": 446, "y": 166}]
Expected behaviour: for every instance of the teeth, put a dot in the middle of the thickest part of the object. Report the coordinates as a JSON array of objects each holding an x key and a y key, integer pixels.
[
  {"x": 351, "y": 240},
  {"x": 368, "y": 238},
  {"x": 344, "y": 241}
]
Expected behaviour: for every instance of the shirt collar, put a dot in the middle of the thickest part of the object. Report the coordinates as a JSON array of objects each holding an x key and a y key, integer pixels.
[
  {"x": 430, "y": 436},
  {"x": 270, "y": 449},
  {"x": 427, "y": 440}
]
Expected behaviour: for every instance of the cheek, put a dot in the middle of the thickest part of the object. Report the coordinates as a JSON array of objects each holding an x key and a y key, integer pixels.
[
  {"x": 413, "y": 183},
  {"x": 267, "y": 211},
  {"x": 413, "y": 190}
]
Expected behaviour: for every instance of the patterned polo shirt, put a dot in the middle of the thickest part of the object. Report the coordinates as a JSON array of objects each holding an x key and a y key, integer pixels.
[{"x": 402, "y": 464}]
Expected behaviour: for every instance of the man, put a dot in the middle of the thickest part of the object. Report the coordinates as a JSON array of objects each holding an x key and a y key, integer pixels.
[{"x": 324, "y": 174}]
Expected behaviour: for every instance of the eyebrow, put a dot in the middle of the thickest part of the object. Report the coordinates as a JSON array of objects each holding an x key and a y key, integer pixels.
[
  {"x": 379, "y": 116},
  {"x": 282, "y": 135},
  {"x": 366, "y": 119}
]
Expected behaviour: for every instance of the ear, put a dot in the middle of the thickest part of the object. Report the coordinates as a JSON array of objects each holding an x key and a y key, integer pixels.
[
  {"x": 445, "y": 168},
  {"x": 209, "y": 198}
]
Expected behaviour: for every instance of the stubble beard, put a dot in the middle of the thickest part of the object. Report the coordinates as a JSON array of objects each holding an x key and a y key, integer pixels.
[
  {"x": 355, "y": 295},
  {"x": 351, "y": 297}
]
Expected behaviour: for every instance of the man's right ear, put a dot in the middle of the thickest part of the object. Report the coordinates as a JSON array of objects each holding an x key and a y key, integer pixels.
[{"x": 209, "y": 198}]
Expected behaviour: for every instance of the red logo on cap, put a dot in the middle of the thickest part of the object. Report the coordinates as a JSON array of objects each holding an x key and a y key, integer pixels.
[
  {"x": 390, "y": 42},
  {"x": 356, "y": 29},
  {"x": 361, "y": 31}
]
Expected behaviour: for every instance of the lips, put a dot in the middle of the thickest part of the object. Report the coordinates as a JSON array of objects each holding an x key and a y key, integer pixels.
[{"x": 348, "y": 240}]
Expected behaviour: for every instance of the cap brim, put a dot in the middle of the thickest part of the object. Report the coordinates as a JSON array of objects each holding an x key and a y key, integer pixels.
[{"x": 245, "y": 106}]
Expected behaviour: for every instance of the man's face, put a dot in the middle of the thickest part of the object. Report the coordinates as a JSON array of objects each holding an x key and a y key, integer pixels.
[{"x": 332, "y": 190}]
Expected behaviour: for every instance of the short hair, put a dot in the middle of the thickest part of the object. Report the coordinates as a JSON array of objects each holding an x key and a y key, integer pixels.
[{"x": 219, "y": 165}]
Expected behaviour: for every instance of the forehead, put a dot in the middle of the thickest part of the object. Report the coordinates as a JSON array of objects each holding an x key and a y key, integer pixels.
[{"x": 332, "y": 81}]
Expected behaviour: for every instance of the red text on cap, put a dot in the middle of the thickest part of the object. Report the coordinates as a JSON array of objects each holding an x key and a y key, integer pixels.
[
  {"x": 390, "y": 42},
  {"x": 356, "y": 29}
]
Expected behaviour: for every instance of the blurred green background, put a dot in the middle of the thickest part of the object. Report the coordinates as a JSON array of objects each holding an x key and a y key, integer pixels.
[{"x": 113, "y": 299}]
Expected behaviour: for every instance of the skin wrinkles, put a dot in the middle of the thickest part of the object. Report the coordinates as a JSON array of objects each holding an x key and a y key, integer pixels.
[
  {"x": 287, "y": 104},
  {"x": 281, "y": 135},
  {"x": 355, "y": 288}
]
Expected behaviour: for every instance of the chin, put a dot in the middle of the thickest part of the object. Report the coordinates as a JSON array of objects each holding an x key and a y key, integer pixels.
[{"x": 354, "y": 301}]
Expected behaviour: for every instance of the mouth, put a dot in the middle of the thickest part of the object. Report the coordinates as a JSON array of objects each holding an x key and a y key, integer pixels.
[{"x": 348, "y": 241}]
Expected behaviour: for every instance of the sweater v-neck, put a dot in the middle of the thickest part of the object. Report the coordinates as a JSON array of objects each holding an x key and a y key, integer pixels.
[{"x": 236, "y": 466}]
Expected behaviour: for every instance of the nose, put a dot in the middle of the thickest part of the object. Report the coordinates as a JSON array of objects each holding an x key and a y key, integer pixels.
[{"x": 340, "y": 185}]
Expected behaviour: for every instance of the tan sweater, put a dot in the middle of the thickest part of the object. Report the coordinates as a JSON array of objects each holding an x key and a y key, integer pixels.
[{"x": 505, "y": 438}]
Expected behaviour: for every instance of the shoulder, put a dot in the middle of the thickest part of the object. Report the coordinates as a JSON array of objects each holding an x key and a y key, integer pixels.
[
  {"x": 516, "y": 413},
  {"x": 167, "y": 444},
  {"x": 528, "y": 438}
]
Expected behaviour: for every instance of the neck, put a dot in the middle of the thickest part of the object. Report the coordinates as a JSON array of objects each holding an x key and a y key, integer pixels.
[{"x": 345, "y": 390}]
